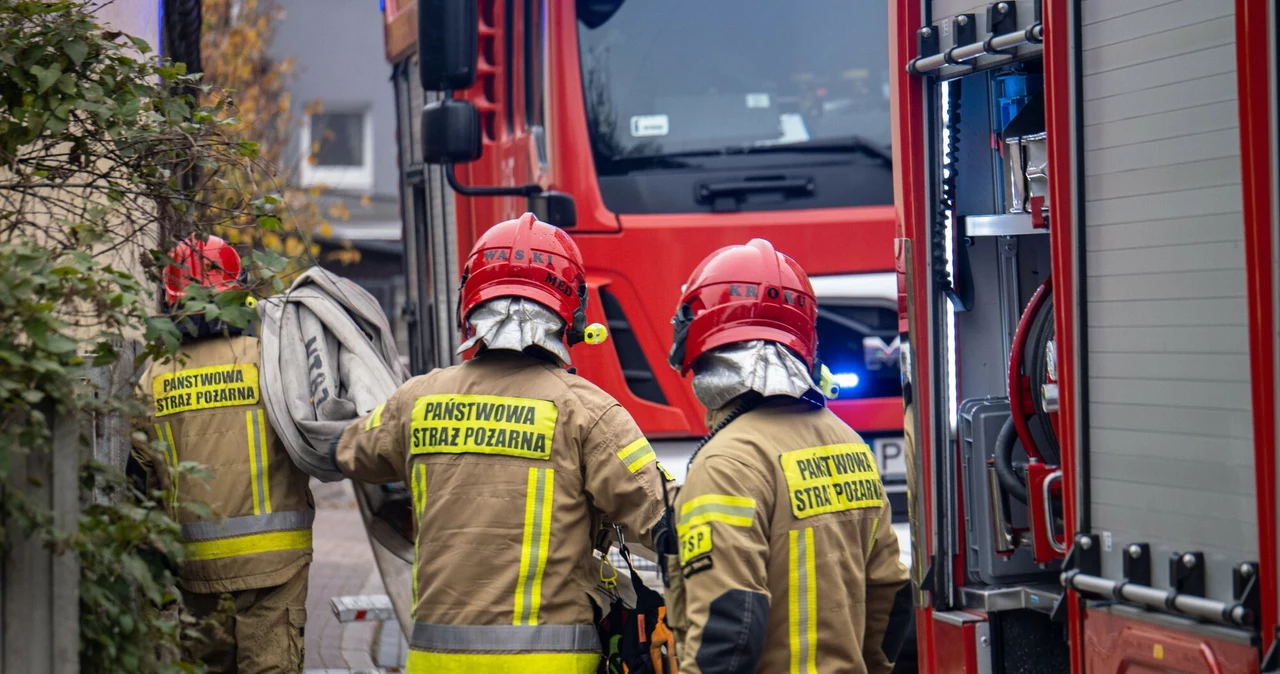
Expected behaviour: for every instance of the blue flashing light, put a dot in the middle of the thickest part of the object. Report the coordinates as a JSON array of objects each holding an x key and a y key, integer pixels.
[{"x": 846, "y": 380}]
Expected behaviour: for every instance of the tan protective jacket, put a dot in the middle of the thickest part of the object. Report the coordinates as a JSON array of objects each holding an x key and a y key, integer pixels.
[
  {"x": 208, "y": 410},
  {"x": 787, "y": 560},
  {"x": 513, "y": 464}
]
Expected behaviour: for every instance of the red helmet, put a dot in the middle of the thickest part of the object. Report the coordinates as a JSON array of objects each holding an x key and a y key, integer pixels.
[
  {"x": 213, "y": 264},
  {"x": 744, "y": 293},
  {"x": 531, "y": 259}
]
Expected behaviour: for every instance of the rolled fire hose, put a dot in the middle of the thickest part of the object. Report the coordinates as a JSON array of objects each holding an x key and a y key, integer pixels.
[{"x": 328, "y": 357}]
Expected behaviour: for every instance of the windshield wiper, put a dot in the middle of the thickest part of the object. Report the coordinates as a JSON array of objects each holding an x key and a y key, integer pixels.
[
  {"x": 624, "y": 164},
  {"x": 855, "y": 144}
]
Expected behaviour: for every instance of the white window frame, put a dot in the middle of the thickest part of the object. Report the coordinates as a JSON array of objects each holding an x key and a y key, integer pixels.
[{"x": 339, "y": 177}]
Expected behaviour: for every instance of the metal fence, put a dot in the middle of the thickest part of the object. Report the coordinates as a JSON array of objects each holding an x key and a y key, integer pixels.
[{"x": 39, "y": 590}]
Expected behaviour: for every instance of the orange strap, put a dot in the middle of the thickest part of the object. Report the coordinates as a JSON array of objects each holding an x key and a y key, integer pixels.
[{"x": 663, "y": 663}]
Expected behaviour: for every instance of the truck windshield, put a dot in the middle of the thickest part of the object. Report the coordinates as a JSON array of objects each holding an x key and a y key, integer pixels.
[{"x": 674, "y": 77}]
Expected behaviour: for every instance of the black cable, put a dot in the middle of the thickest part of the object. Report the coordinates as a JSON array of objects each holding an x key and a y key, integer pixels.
[
  {"x": 745, "y": 406},
  {"x": 664, "y": 535}
]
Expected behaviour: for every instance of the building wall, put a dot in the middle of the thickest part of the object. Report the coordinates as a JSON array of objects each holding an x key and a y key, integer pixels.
[
  {"x": 338, "y": 48},
  {"x": 140, "y": 18}
]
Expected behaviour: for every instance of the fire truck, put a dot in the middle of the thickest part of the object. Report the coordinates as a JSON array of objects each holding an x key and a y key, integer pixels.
[
  {"x": 656, "y": 132},
  {"x": 653, "y": 132},
  {"x": 1086, "y": 196}
]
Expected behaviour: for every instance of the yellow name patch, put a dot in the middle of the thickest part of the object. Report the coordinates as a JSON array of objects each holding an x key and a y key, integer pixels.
[
  {"x": 482, "y": 424},
  {"x": 695, "y": 542},
  {"x": 832, "y": 479},
  {"x": 205, "y": 388}
]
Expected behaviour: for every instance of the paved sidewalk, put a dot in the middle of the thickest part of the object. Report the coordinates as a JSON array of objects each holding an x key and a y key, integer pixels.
[{"x": 343, "y": 565}]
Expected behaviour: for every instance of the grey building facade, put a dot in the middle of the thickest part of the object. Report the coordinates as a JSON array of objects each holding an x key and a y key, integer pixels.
[{"x": 348, "y": 142}]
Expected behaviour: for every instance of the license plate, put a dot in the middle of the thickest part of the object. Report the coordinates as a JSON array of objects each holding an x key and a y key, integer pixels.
[{"x": 892, "y": 456}]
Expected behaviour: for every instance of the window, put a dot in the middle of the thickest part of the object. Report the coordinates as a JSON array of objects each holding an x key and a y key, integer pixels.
[
  {"x": 508, "y": 63},
  {"x": 338, "y": 149},
  {"x": 666, "y": 77},
  {"x": 534, "y": 26},
  {"x": 535, "y": 76}
]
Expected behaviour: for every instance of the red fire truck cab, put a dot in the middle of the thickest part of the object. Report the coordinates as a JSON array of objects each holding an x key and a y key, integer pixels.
[
  {"x": 656, "y": 132},
  {"x": 1086, "y": 211}
]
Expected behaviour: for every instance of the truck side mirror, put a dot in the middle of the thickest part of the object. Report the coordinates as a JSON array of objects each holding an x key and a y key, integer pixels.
[
  {"x": 594, "y": 13},
  {"x": 450, "y": 132},
  {"x": 448, "y": 44}
]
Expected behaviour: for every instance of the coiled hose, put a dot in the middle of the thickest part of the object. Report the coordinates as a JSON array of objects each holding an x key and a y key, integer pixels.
[
  {"x": 1010, "y": 481},
  {"x": 1038, "y": 342},
  {"x": 1034, "y": 329}
]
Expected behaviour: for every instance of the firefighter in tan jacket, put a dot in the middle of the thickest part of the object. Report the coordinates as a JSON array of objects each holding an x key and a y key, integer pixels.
[
  {"x": 786, "y": 559},
  {"x": 255, "y": 543},
  {"x": 513, "y": 463}
]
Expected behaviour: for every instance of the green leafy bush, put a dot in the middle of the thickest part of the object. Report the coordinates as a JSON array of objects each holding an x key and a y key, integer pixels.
[{"x": 107, "y": 158}]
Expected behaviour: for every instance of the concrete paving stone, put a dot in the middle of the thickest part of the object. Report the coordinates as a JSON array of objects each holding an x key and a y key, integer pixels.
[{"x": 342, "y": 564}]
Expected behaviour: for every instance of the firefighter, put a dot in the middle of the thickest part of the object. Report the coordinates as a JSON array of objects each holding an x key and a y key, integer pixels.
[
  {"x": 786, "y": 560},
  {"x": 513, "y": 464},
  {"x": 255, "y": 542}
]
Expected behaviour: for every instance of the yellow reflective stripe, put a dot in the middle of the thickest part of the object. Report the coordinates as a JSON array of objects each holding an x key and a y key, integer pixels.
[
  {"x": 533, "y": 546},
  {"x": 543, "y": 544},
  {"x": 257, "y": 464},
  {"x": 525, "y": 544},
  {"x": 248, "y": 545},
  {"x": 802, "y": 600},
  {"x": 375, "y": 418},
  {"x": 637, "y": 455},
  {"x": 425, "y": 662},
  {"x": 253, "y": 464},
  {"x": 419, "y": 510},
  {"x": 165, "y": 433},
  {"x": 875, "y": 529},
  {"x": 812, "y": 576},
  {"x": 793, "y": 600},
  {"x": 736, "y": 511},
  {"x": 164, "y": 437},
  {"x": 266, "y": 457}
]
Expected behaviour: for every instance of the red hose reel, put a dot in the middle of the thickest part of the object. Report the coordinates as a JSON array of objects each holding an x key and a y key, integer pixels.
[{"x": 1044, "y": 481}]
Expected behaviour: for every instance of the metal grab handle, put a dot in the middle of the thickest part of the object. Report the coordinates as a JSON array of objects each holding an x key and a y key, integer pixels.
[
  {"x": 1060, "y": 548},
  {"x": 1034, "y": 34},
  {"x": 1167, "y": 601}
]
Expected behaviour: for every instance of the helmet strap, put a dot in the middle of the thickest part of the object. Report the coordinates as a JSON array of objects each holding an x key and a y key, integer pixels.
[
  {"x": 680, "y": 331},
  {"x": 575, "y": 333},
  {"x": 457, "y": 308}
]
